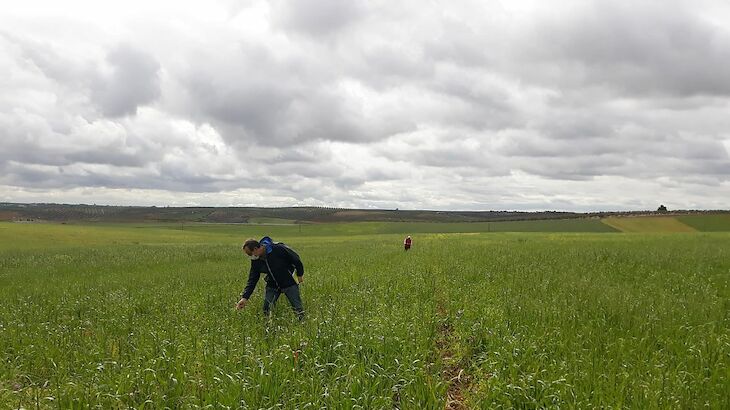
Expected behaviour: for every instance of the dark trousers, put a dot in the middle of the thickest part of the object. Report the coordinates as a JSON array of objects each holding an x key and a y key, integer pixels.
[{"x": 292, "y": 294}]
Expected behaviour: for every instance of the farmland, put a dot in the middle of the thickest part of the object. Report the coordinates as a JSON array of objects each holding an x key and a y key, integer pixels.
[
  {"x": 708, "y": 223},
  {"x": 650, "y": 224},
  {"x": 487, "y": 315}
]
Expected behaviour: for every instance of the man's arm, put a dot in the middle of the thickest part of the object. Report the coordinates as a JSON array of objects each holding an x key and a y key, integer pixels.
[{"x": 253, "y": 279}]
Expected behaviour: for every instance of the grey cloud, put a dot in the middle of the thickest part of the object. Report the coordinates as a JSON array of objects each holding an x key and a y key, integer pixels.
[
  {"x": 178, "y": 177},
  {"x": 175, "y": 179},
  {"x": 250, "y": 88},
  {"x": 325, "y": 173},
  {"x": 463, "y": 45},
  {"x": 349, "y": 182},
  {"x": 134, "y": 81},
  {"x": 29, "y": 154},
  {"x": 253, "y": 96},
  {"x": 382, "y": 174},
  {"x": 388, "y": 65},
  {"x": 538, "y": 147},
  {"x": 454, "y": 151},
  {"x": 637, "y": 153},
  {"x": 52, "y": 64},
  {"x": 109, "y": 155},
  {"x": 576, "y": 168},
  {"x": 305, "y": 170},
  {"x": 20, "y": 134},
  {"x": 247, "y": 95},
  {"x": 649, "y": 48},
  {"x": 317, "y": 17},
  {"x": 329, "y": 115},
  {"x": 624, "y": 162},
  {"x": 472, "y": 109},
  {"x": 308, "y": 153},
  {"x": 16, "y": 174},
  {"x": 568, "y": 124},
  {"x": 31, "y": 139},
  {"x": 451, "y": 156},
  {"x": 353, "y": 180}
]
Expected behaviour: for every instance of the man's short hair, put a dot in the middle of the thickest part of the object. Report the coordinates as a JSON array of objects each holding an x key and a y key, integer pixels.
[{"x": 251, "y": 244}]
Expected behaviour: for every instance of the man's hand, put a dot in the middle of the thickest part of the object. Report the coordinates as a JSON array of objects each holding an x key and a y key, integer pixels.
[
  {"x": 241, "y": 303},
  {"x": 300, "y": 279}
]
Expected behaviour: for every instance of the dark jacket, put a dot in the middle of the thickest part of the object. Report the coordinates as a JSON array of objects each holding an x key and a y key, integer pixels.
[{"x": 278, "y": 266}]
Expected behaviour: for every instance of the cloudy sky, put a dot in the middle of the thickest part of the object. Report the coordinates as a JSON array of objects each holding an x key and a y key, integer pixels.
[{"x": 469, "y": 105}]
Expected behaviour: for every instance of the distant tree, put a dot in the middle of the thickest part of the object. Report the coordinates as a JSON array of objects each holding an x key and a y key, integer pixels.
[{"x": 662, "y": 208}]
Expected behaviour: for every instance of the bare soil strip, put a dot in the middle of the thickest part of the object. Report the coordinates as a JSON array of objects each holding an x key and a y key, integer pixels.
[{"x": 453, "y": 372}]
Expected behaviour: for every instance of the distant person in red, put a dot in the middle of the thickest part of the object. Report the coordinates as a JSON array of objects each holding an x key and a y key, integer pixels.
[{"x": 407, "y": 242}]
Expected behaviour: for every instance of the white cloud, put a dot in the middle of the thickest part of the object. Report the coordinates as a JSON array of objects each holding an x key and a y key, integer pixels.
[{"x": 471, "y": 105}]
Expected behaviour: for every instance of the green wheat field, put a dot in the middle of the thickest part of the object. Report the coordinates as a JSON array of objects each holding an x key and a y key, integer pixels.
[{"x": 555, "y": 314}]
